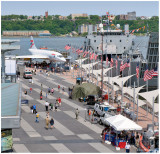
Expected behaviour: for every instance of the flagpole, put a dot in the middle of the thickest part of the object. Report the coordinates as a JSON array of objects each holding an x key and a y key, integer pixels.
[
  {"x": 147, "y": 89},
  {"x": 113, "y": 92},
  {"x": 97, "y": 79},
  {"x": 92, "y": 70},
  {"x": 89, "y": 73},
  {"x": 130, "y": 70},
  {"x": 122, "y": 97},
  {"x": 137, "y": 108},
  {"x": 134, "y": 100},
  {"x": 108, "y": 86},
  {"x": 153, "y": 113}
]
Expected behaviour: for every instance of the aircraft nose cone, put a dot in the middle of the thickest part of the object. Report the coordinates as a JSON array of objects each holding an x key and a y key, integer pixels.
[{"x": 64, "y": 60}]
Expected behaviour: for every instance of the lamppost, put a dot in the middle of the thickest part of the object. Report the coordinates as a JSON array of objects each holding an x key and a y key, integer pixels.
[{"x": 102, "y": 34}]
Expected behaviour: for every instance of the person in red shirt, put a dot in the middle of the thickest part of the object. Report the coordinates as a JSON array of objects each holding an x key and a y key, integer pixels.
[
  {"x": 30, "y": 90},
  {"x": 59, "y": 87},
  {"x": 59, "y": 101}
]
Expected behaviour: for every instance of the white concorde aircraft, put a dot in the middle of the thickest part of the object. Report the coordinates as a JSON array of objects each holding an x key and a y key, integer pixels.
[{"x": 43, "y": 54}]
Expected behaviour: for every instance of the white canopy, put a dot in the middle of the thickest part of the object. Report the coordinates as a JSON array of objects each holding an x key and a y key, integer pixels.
[
  {"x": 79, "y": 60},
  {"x": 129, "y": 90},
  {"x": 149, "y": 96},
  {"x": 100, "y": 71},
  {"x": 86, "y": 66},
  {"x": 120, "y": 123}
]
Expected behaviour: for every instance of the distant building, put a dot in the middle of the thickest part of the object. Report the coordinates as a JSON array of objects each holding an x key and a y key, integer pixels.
[
  {"x": 29, "y": 17},
  {"x": 62, "y": 17},
  {"x": 46, "y": 14},
  {"x": 24, "y": 33},
  {"x": 92, "y": 29},
  {"x": 78, "y": 15},
  {"x": 123, "y": 17},
  {"x": 82, "y": 29},
  {"x": 131, "y": 15}
]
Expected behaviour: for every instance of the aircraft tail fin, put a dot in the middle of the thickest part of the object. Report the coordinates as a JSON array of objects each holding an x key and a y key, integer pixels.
[{"x": 32, "y": 44}]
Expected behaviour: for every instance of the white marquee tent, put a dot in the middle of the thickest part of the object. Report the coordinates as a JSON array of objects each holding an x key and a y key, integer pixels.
[{"x": 120, "y": 123}]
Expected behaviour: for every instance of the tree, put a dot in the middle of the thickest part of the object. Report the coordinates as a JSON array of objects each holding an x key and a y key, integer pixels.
[
  {"x": 33, "y": 17},
  {"x": 69, "y": 17}
]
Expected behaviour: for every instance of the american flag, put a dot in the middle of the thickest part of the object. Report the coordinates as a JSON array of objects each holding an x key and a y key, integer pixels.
[
  {"x": 145, "y": 73},
  {"x": 148, "y": 75},
  {"x": 95, "y": 57},
  {"x": 107, "y": 61},
  {"x": 79, "y": 50},
  {"x": 127, "y": 64},
  {"x": 116, "y": 63},
  {"x": 155, "y": 72},
  {"x": 137, "y": 70},
  {"x": 112, "y": 62},
  {"x": 121, "y": 66},
  {"x": 67, "y": 47},
  {"x": 92, "y": 56}
]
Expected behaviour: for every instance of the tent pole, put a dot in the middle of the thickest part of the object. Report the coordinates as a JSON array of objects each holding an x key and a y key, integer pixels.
[
  {"x": 113, "y": 92},
  {"x": 153, "y": 113},
  {"x": 122, "y": 97},
  {"x": 134, "y": 99},
  {"x": 108, "y": 87},
  {"x": 137, "y": 108},
  {"x": 97, "y": 79}
]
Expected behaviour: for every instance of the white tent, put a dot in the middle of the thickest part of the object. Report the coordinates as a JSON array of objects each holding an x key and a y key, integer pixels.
[
  {"x": 100, "y": 71},
  {"x": 79, "y": 60},
  {"x": 120, "y": 123},
  {"x": 149, "y": 95},
  {"x": 86, "y": 66},
  {"x": 129, "y": 90}
]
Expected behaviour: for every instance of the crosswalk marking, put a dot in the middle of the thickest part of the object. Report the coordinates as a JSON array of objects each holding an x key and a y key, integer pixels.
[
  {"x": 16, "y": 139},
  {"x": 26, "y": 108},
  {"x": 49, "y": 137},
  {"x": 95, "y": 128},
  {"x": 61, "y": 148},
  {"x": 72, "y": 104},
  {"x": 84, "y": 136},
  {"x": 29, "y": 129},
  {"x": 100, "y": 147},
  {"x": 64, "y": 130},
  {"x": 20, "y": 148}
]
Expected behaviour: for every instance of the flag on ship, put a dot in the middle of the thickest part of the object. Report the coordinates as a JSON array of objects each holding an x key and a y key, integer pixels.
[
  {"x": 67, "y": 47},
  {"x": 112, "y": 62},
  {"x": 137, "y": 70},
  {"x": 155, "y": 73}
]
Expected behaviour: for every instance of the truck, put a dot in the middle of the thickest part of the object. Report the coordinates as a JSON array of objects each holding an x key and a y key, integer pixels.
[{"x": 27, "y": 74}]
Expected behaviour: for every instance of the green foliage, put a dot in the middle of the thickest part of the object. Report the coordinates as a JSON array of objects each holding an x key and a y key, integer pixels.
[
  {"x": 58, "y": 27},
  {"x": 84, "y": 34}
]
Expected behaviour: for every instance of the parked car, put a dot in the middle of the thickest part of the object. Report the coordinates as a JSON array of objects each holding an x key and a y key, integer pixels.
[
  {"x": 102, "y": 120},
  {"x": 92, "y": 99},
  {"x": 27, "y": 74},
  {"x": 101, "y": 109}
]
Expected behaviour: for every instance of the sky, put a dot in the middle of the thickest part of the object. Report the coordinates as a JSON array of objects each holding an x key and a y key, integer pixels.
[{"x": 65, "y": 8}]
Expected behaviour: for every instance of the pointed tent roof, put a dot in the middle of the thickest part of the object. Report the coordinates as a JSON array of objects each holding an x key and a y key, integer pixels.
[
  {"x": 86, "y": 66},
  {"x": 120, "y": 123},
  {"x": 77, "y": 61},
  {"x": 100, "y": 71},
  {"x": 149, "y": 96}
]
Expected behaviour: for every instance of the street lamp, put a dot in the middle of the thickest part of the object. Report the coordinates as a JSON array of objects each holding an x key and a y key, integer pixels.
[{"x": 102, "y": 34}]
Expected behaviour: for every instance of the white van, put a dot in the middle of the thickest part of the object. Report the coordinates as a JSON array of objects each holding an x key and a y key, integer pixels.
[{"x": 27, "y": 74}]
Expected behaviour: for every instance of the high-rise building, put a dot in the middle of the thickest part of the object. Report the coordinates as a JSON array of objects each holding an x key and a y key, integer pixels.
[
  {"x": 131, "y": 15},
  {"x": 46, "y": 14}
]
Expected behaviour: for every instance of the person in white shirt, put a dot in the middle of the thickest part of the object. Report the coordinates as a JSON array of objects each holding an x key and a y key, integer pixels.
[
  {"x": 127, "y": 147},
  {"x": 46, "y": 105}
]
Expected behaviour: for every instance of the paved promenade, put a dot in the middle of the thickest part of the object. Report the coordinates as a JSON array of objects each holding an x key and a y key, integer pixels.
[{"x": 69, "y": 135}]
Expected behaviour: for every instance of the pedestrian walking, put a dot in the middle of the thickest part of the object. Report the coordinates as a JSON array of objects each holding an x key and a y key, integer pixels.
[
  {"x": 59, "y": 87},
  {"x": 34, "y": 109},
  {"x": 37, "y": 116},
  {"x": 59, "y": 101},
  {"x": 77, "y": 113},
  {"x": 25, "y": 92},
  {"x": 56, "y": 106},
  {"x": 47, "y": 122},
  {"x": 89, "y": 114},
  {"x": 47, "y": 114},
  {"x": 31, "y": 109},
  {"x": 31, "y": 90},
  {"x": 51, "y": 105},
  {"x": 127, "y": 147},
  {"x": 63, "y": 90},
  {"x": 41, "y": 95},
  {"x": 52, "y": 123},
  {"x": 32, "y": 81},
  {"x": 46, "y": 105},
  {"x": 52, "y": 91},
  {"x": 137, "y": 140},
  {"x": 49, "y": 90}
]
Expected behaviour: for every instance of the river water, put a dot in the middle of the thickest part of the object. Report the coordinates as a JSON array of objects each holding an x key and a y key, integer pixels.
[{"x": 53, "y": 43}]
